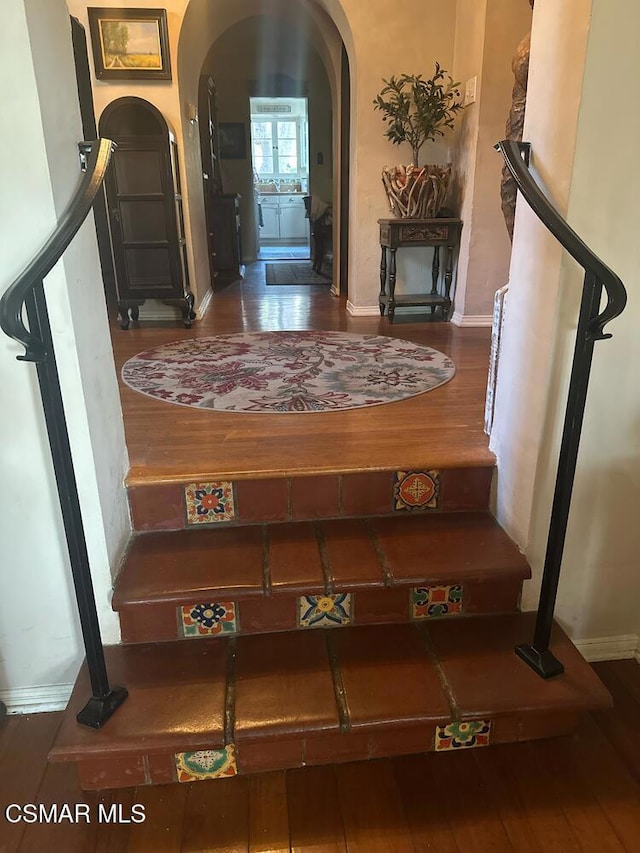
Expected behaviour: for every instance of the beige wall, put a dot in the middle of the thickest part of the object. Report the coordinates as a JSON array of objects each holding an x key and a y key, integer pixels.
[
  {"x": 379, "y": 44},
  {"x": 467, "y": 63},
  {"x": 558, "y": 52},
  {"x": 487, "y": 35},
  {"x": 382, "y": 46},
  {"x": 164, "y": 95},
  {"x": 39, "y": 630},
  {"x": 574, "y": 59},
  {"x": 600, "y": 590}
]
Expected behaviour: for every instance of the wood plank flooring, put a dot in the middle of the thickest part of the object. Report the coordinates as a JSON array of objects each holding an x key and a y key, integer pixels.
[
  {"x": 443, "y": 428},
  {"x": 568, "y": 794}
]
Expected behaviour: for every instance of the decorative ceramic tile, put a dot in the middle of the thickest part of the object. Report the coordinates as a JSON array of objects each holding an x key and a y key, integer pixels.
[
  {"x": 415, "y": 490},
  {"x": 206, "y": 620},
  {"x": 209, "y": 502},
  {"x": 463, "y": 735},
  {"x": 206, "y": 764},
  {"x": 324, "y": 611},
  {"x": 430, "y": 601}
]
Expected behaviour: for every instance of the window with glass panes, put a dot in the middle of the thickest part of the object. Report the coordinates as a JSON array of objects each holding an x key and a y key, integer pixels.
[{"x": 276, "y": 147}]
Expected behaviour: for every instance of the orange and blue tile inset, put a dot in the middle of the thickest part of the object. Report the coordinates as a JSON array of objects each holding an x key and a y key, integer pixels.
[
  {"x": 428, "y": 602},
  {"x": 208, "y": 503},
  {"x": 209, "y": 619},
  {"x": 416, "y": 490},
  {"x": 205, "y": 764},
  {"x": 324, "y": 611},
  {"x": 463, "y": 735}
]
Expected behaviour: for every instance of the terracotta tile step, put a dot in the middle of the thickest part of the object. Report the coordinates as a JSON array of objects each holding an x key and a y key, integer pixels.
[
  {"x": 220, "y": 707},
  {"x": 323, "y": 557},
  {"x": 208, "y": 501}
]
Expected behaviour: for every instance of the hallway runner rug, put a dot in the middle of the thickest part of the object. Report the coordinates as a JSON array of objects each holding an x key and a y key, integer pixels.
[
  {"x": 280, "y": 372},
  {"x": 294, "y": 274}
]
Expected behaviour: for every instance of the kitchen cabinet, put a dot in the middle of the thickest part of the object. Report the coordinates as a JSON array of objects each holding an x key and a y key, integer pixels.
[
  {"x": 270, "y": 228},
  {"x": 293, "y": 225},
  {"x": 283, "y": 217}
]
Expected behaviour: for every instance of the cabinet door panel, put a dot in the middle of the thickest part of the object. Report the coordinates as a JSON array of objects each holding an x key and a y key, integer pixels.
[
  {"x": 139, "y": 172},
  {"x": 293, "y": 225},
  {"x": 148, "y": 268},
  {"x": 270, "y": 229},
  {"x": 143, "y": 220}
]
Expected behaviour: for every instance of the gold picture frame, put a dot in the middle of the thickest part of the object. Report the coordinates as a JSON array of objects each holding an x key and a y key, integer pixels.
[{"x": 130, "y": 44}]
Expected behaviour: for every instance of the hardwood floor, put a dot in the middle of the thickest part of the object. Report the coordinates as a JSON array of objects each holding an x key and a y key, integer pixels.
[
  {"x": 443, "y": 428},
  {"x": 568, "y": 794}
]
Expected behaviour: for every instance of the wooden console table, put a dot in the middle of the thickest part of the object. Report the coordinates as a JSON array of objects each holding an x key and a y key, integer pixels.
[{"x": 396, "y": 233}]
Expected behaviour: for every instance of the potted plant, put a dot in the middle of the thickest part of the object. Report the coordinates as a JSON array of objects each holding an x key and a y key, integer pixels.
[{"x": 415, "y": 111}]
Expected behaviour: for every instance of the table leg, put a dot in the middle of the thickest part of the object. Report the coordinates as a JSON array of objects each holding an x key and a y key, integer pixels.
[
  {"x": 448, "y": 278},
  {"x": 435, "y": 275},
  {"x": 435, "y": 270},
  {"x": 392, "y": 285},
  {"x": 383, "y": 278}
]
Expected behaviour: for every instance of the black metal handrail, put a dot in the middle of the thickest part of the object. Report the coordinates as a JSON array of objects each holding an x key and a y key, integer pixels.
[
  {"x": 591, "y": 323},
  {"x": 27, "y": 292}
]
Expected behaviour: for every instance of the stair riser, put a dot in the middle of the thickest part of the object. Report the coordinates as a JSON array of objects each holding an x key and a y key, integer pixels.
[
  {"x": 148, "y": 623},
  {"x": 125, "y": 771},
  {"x": 204, "y": 502}
]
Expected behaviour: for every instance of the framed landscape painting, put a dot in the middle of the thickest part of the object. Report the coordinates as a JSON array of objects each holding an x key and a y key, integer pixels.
[{"x": 130, "y": 44}]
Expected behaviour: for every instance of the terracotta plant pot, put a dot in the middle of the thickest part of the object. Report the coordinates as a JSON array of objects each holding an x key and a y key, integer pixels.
[{"x": 416, "y": 192}]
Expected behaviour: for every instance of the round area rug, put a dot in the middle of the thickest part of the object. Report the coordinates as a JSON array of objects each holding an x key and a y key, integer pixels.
[{"x": 287, "y": 371}]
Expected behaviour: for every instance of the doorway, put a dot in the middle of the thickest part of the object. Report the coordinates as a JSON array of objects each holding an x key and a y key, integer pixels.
[{"x": 280, "y": 164}]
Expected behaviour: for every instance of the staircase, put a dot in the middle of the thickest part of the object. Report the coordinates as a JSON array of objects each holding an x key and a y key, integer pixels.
[
  {"x": 231, "y": 581},
  {"x": 225, "y": 598}
]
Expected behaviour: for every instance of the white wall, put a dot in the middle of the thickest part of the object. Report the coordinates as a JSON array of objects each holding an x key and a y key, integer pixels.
[
  {"x": 39, "y": 635},
  {"x": 487, "y": 35},
  {"x": 583, "y": 61}
]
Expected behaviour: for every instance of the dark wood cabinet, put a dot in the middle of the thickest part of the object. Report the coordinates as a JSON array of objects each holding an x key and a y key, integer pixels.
[
  {"x": 144, "y": 197},
  {"x": 222, "y": 210},
  {"x": 225, "y": 226}
]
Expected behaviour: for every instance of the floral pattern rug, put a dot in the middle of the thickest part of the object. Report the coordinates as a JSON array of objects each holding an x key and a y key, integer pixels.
[{"x": 279, "y": 372}]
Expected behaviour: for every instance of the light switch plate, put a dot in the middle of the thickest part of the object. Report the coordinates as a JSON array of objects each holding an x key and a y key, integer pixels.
[{"x": 470, "y": 91}]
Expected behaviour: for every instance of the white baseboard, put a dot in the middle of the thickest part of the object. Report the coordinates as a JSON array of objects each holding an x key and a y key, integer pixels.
[
  {"x": 203, "y": 307},
  {"x": 35, "y": 700},
  {"x": 622, "y": 647},
  {"x": 472, "y": 320},
  {"x": 363, "y": 310}
]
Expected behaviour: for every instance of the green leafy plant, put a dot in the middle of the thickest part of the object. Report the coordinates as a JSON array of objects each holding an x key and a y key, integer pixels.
[{"x": 416, "y": 110}]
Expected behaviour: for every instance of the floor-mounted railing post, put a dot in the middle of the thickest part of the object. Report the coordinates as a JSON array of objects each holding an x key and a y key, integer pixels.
[
  {"x": 104, "y": 699},
  {"x": 27, "y": 292},
  {"x": 538, "y": 654},
  {"x": 591, "y": 323}
]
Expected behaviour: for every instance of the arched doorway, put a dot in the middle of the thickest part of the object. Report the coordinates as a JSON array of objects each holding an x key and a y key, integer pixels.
[{"x": 291, "y": 41}]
